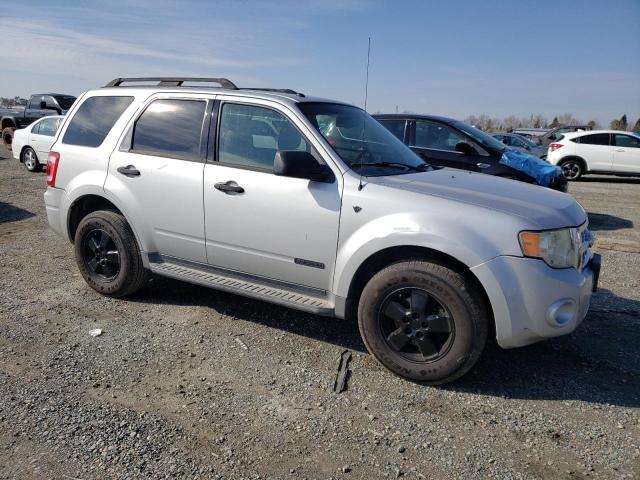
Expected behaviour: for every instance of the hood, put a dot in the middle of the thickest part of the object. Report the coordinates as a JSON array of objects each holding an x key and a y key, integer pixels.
[
  {"x": 541, "y": 208},
  {"x": 535, "y": 167}
]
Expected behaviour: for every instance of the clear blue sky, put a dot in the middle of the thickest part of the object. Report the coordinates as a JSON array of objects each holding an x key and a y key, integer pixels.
[{"x": 444, "y": 57}]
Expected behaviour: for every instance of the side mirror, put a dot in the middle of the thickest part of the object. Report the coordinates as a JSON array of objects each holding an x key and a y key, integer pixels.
[
  {"x": 465, "y": 148},
  {"x": 301, "y": 164}
]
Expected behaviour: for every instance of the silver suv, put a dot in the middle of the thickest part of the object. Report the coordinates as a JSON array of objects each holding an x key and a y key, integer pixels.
[{"x": 312, "y": 204}]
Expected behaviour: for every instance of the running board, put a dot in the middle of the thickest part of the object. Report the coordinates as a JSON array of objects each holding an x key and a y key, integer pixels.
[{"x": 241, "y": 284}]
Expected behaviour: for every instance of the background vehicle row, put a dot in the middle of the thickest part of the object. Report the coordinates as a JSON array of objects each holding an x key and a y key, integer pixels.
[{"x": 609, "y": 152}]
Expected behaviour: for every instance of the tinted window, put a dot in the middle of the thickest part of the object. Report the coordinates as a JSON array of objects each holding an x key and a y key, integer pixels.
[
  {"x": 437, "y": 136},
  {"x": 49, "y": 126},
  {"x": 394, "y": 126},
  {"x": 65, "y": 101},
  {"x": 250, "y": 136},
  {"x": 94, "y": 119},
  {"x": 516, "y": 142},
  {"x": 595, "y": 139},
  {"x": 170, "y": 128},
  {"x": 35, "y": 102},
  {"x": 627, "y": 141}
]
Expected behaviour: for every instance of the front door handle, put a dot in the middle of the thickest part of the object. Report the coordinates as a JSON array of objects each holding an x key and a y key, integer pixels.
[
  {"x": 620, "y": 149},
  {"x": 229, "y": 187},
  {"x": 129, "y": 171}
]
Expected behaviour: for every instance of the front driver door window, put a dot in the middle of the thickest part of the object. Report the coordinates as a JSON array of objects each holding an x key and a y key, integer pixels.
[
  {"x": 267, "y": 226},
  {"x": 436, "y": 143}
]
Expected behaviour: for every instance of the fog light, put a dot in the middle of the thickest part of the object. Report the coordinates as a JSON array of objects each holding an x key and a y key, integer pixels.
[{"x": 561, "y": 312}]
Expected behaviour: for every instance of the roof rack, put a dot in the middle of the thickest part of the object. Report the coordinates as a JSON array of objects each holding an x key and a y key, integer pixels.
[
  {"x": 172, "y": 81},
  {"x": 278, "y": 90}
]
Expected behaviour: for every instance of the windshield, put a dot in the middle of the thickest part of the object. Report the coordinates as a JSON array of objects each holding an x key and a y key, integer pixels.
[
  {"x": 361, "y": 142},
  {"x": 65, "y": 101},
  {"x": 526, "y": 141},
  {"x": 479, "y": 136}
]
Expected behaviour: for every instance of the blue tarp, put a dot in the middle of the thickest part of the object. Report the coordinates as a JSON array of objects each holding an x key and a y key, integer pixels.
[{"x": 542, "y": 171}]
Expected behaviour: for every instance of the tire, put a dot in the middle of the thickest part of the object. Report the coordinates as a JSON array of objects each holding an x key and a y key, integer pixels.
[
  {"x": 452, "y": 304},
  {"x": 572, "y": 169},
  {"x": 99, "y": 234},
  {"x": 7, "y": 137},
  {"x": 30, "y": 160}
]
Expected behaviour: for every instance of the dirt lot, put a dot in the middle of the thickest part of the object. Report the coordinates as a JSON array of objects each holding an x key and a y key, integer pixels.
[{"x": 189, "y": 382}]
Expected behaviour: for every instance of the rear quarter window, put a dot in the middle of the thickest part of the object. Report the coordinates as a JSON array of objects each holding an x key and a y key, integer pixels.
[{"x": 93, "y": 121}]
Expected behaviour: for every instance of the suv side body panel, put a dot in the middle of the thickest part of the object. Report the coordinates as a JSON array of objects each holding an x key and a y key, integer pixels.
[
  {"x": 165, "y": 200},
  {"x": 280, "y": 228}
]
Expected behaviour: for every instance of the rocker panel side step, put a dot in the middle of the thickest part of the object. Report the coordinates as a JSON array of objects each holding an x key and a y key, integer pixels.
[{"x": 299, "y": 298}]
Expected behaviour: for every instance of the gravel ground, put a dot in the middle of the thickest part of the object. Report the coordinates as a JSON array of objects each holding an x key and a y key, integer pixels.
[{"x": 187, "y": 382}]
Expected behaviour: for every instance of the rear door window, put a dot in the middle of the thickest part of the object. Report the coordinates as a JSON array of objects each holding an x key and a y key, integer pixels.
[
  {"x": 395, "y": 126},
  {"x": 594, "y": 139},
  {"x": 94, "y": 119},
  {"x": 437, "y": 136},
  {"x": 170, "y": 128},
  {"x": 48, "y": 127}
]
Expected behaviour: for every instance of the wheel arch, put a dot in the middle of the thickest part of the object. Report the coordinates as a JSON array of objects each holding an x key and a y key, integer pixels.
[
  {"x": 7, "y": 122},
  {"x": 390, "y": 255},
  {"x": 577, "y": 158},
  {"x": 88, "y": 203}
]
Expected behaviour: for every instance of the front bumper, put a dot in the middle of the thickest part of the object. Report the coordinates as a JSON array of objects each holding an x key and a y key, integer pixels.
[{"x": 532, "y": 301}]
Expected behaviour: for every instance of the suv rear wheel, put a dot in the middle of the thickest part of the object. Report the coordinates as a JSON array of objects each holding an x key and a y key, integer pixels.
[
  {"x": 571, "y": 169},
  {"x": 423, "y": 321},
  {"x": 107, "y": 254}
]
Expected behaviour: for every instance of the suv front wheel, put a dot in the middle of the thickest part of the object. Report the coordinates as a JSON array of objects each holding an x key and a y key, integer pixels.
[
  {"x": 423, "y": 321},
  {"x": 107, "y": 254}
]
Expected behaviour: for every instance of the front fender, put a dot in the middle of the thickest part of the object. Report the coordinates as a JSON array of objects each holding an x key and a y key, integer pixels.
[{"x": 471, "y": 243}]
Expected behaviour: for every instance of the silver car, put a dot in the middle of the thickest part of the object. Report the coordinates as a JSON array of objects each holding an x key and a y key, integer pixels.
[
  {"x": 522, "y": 144},
  {"x": 312, "y": 204}
]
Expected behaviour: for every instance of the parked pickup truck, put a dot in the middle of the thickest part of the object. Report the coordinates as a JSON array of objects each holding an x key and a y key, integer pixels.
[{"x": 40, "y": 105}]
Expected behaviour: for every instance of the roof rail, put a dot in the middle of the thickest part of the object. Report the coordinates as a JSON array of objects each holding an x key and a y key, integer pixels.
[
  {"x": 278, "y": 90},
  {"x": 172, "y": 81}
]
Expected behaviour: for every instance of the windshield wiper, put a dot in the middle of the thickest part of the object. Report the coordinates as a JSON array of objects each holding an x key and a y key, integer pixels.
[{"x": 416, "y": 168}]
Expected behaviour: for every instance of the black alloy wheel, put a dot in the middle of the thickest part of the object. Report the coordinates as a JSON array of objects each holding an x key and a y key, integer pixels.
[
  {"x": 416, "y": 325},
  {"x": 101, "y": 255}
]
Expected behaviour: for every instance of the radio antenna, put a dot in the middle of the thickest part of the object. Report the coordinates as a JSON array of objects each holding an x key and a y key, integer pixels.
[{"x": 364, "y": 117}]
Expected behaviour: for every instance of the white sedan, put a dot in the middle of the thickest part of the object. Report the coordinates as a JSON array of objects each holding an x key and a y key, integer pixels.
[
  {"x": 31, "y": 144},
  {"x": 597, "y": 151}
]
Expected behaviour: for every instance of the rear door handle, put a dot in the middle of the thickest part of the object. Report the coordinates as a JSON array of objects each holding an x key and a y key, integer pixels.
[
  {"x": 229, "y": 187},
  {"x": 129, "y": 171},
  {"x": 620, "y": 150}
]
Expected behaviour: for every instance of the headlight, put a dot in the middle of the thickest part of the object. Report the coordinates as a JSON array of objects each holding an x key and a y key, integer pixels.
[{"x": 558, "y": 248}]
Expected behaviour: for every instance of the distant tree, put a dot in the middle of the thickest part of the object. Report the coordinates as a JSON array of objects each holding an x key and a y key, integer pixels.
[
  {"x": 636, "y": 127},
  {"x": 554, "y": 123},
  {"x": 594, "y": 124},
  {"x": 568, "y": 119},
  {"x": 619, "y": 124},
  {"x": 471, "y": 120},
  {"x": 538, "y": 121},
  {"x": 510, "y": 123}
]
